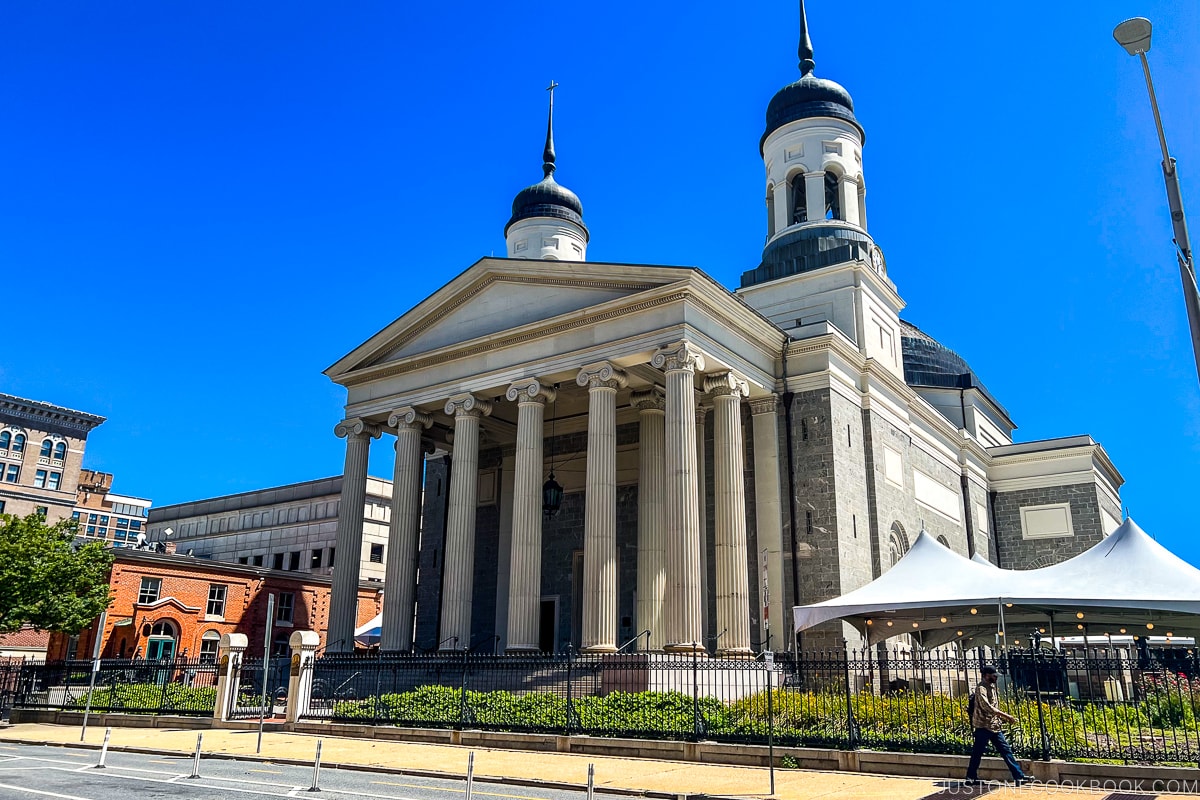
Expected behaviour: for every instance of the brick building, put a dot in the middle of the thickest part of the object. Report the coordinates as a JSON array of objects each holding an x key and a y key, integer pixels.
[
  {"x": 167, "y": 605},
  {"x": 41, "y": 454}
]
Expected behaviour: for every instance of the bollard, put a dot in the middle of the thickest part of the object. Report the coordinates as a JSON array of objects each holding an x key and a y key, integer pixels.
[
  {"x": 470, "y": 772},
  {"x": 104, "y": 748},
  {"x": 196, "y": 758},
  {"x": 591, "y": 781},
  {"x": 316, "y": 770}
]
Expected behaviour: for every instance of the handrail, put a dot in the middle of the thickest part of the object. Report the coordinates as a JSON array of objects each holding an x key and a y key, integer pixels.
[{"x": 645, "y": 633}]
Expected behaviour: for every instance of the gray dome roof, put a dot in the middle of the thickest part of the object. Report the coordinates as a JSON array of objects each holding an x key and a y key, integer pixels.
[
  {"x": 807, "y": 98},
  {"x": 547, "y": 198}
]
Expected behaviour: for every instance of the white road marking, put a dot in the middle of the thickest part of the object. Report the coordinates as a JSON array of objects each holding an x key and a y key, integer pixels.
[{"x": 43, "y": 794}]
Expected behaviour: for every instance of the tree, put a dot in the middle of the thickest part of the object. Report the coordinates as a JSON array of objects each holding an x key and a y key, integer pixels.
[{"x": 47, "y": 580}]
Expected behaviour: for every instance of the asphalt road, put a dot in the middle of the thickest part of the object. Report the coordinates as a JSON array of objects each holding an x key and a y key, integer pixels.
[{"x": 31, "y": 772}]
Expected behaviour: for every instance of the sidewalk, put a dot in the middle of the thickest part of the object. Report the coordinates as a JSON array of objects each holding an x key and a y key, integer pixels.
[{"x": 639, "y": 776}]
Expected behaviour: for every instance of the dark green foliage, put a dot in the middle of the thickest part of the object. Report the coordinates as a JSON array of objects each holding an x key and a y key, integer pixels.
[
  {"x": 149, "y": 698},
  {"x": 45, "y": 580}
]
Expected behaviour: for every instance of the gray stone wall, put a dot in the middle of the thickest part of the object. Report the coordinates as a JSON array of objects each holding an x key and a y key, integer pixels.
[
  {"x": 483, "y": 590},
  {"x": 1017, "y": 552},
  {"x": 432, "y": 550}
]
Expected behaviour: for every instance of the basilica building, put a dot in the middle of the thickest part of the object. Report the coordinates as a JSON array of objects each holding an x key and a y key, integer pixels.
[{"x": 634, "y": 455}]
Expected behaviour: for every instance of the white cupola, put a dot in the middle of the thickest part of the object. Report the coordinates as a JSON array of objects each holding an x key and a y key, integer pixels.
[{"x": 547, "y": 219}]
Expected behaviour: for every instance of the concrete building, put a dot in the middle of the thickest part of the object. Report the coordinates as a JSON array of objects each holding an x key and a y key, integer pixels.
[
  {"x": 722, "y": 455},
  {"x": 290, "y": 528},
  {"x": 112, "y": 518},
  {"x": 41, "y": 453}
]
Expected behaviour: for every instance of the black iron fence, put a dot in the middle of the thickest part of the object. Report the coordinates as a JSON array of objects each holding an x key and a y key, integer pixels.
[
  {"x": 175, "y": 686},
  {"x": 1106, "y": 704},
  {"x": 250, "y": 701}
]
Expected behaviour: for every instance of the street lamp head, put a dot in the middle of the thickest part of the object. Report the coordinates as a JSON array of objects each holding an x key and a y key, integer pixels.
[{"x": 1133, "y": 35}]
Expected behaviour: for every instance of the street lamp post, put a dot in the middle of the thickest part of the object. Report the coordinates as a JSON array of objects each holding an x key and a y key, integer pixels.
[{"x": 1134, "y": 36}]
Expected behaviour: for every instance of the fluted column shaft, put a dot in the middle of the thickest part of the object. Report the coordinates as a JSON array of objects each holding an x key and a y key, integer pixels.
[
  {"x": 458, "y": 572},
  {"x": 702, "y": 511},
  {"x": 600, "y": 509},
  {"x": 400, "y": 574},
  {"x": 343, "y": 601},
  {"x": 651, "y": 543},
  {"x": 683, "y": 601},
  {"x": 525, "y": 565},
  {"x": 768, "y": 519},
  {"x": 733, "y": 580}
]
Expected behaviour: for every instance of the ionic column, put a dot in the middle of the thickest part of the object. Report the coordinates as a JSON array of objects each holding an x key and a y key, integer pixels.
[
  {"x": 600, "y": 508},
  {"x": 701, "y": 482},
  {"x": 651, "y": 542},
  {"x": 733, "y": 580},
  {"x": 400, "y": 576},
  {"x": 343, "y": 600},
  {"x": 683, "y": 601},
  {"x": 769, "y": 520},
  {"x": 458, "y": 571},
  {"x": 525, "y": 566}
]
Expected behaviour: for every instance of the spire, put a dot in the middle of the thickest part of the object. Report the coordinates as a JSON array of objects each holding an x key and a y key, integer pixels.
[
  {"x": 548, "y": 153},
  {"x": 806, "y": 48}
]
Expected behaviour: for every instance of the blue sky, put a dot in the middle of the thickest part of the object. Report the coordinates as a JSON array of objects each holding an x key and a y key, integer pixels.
[{"x": 202, "y": 207}]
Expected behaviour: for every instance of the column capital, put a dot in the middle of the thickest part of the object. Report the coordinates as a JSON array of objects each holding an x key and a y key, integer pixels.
[
  {"x": 602, "y": 374},
  {"x": 702, "y": 410},
  {"x": 726, "y": 384},
  {"x": 409, "y": 417},
  {"x": 678, "y": 356},
  {"x": 468, "y": 405},
  {"x": 530, "y": 390},
  {"x": 356, "y": 426},
  {"x": 652, "y": 399},
  {"x": 764, "y": 405}
]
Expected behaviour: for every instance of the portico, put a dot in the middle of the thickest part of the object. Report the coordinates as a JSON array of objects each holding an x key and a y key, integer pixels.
[{"x": 477, "y": 365}]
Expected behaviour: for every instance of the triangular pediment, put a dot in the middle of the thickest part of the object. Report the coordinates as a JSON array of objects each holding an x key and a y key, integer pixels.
[{"x": 498, "y": 295}]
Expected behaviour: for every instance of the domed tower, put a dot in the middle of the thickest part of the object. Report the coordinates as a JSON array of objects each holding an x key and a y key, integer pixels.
[
  {"x": 547, "y": 219},
  {"x": 819, "y": 263}
]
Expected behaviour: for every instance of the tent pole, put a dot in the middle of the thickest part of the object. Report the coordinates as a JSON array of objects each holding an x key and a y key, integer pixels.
[
  {"x": 1003, "y": 632},
  {"x": 1053, "y": 642}
]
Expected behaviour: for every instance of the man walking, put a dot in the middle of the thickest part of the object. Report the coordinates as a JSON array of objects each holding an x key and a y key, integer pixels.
[{"x": 986, "y": 717}]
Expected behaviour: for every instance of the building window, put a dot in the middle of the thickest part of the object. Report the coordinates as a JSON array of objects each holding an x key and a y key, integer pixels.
[
  {"x": 18, "y": 443},
  {"x": 257, "y": 561},
  {"x": 13, "y": 473},
  {"x": 47, "y": 448},
  {"x": 42, "y": 511},
  {"x": 5, "y": 440},
  {"x": 376, "y": 554},
  {"x": 332, "y": 553},
  {"x": 897, "y": 544},
  {"x": 60, "y": 451},
  {"x": 833, "y": 203},
  {"x": 315, "y": 560},
  {"x": 216, "y": 600},
  {"x": 799, "y": 200},
  {"x": 294, "y": 560},
  {"x": 39, "y": 479},
  {"x": 210, "y": 643},
  {"x": 1, "y": 506},
  {"x": 55, "y": 480},
  {"x": 150, "y": 590},
  {"x": 243, "y": 559},
  {"x": 286, "y": 607},
  {"x": 277, "y": 561},
  {"x": 281, "y": 645}
]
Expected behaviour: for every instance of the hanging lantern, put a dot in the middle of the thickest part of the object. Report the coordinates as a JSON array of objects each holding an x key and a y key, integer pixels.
[{"x": 552, "y": 495}]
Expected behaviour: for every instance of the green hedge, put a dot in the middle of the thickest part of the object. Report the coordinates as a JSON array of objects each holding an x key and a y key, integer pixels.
[{"x": 150, "y": 698}]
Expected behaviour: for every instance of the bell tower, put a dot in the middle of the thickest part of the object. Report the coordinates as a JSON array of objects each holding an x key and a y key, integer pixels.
[{"x": 819, "y": 264}]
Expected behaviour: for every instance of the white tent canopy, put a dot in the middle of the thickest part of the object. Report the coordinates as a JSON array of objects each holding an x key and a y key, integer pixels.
[
  {"x": 1125, "y": 583},
  {"x": 369, "y": 632}
]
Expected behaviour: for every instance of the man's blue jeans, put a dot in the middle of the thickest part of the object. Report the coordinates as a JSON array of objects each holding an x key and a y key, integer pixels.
[{"x": 982, "y": 737}]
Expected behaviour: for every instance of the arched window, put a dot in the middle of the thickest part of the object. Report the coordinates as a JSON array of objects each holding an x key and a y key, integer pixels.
[
  {"x": 897, "y": 544},
  {"x": 833, "y": 202},
  {"x": 60, "y": 451},
  {"x": 943, "y": 542},
  {"x": 47, "y": 448},
  {"x": 161, "y": 644},
  {"x": 799, "y": 200},
  {"x": 18, "y": 444},
  {"x": 5, "y": 440},
  {"x": 209, "y": 643}
]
